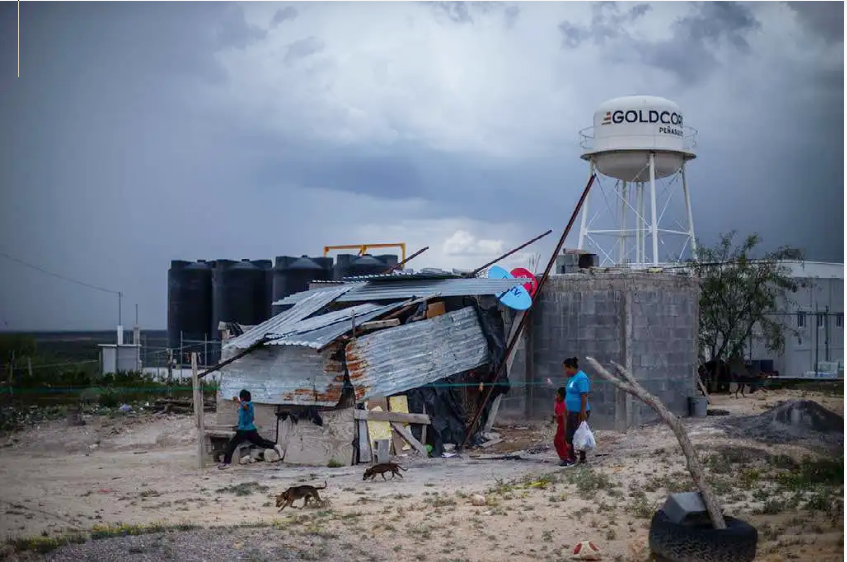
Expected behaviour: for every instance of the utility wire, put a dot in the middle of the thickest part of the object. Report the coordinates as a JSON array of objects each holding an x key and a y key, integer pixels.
[{"x": 57, "y": 275}]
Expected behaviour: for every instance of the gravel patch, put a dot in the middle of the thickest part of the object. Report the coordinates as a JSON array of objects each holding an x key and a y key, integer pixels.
[{"x": 216, "y": 545}]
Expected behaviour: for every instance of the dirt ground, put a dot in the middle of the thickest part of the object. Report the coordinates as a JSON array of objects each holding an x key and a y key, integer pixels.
[{"x": 140, "y": 471}]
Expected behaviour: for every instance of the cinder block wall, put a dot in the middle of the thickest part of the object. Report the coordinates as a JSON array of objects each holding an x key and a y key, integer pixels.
[{"x": 644, "y": 321}]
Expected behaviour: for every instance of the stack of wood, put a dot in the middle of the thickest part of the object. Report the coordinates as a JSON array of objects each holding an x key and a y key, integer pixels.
[{"x": 181, "y": 405}]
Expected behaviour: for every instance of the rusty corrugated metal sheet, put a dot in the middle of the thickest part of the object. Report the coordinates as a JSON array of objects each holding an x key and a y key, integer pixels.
[
  {"x": 286, "y": 375},
  {"x": 283, "y": 323},
  {"x": 400, "y": 359}
]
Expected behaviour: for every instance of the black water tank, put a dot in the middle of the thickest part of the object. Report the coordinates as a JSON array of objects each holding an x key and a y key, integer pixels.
[
  {"x": 390, "y": 260},
  {"x": 302, "y": 272},
  {"x": 239, "y": 289},
  {"x": 328, "y": 267},
  {"x": 265, "y": 297},
  {"x": 189, "y": 303},
  {"x": 218, "y": 294},
  {"x": 342, "y": 266},
  {"x": 279, "y": 281},
  {"x": 366, "y": 265}
]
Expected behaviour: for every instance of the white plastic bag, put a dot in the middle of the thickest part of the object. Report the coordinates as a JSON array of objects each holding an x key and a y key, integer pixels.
[{"x": 583, "y": 438}]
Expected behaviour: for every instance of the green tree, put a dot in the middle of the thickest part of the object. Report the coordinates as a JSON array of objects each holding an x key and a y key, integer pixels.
[{"x": 741, "y": 292}]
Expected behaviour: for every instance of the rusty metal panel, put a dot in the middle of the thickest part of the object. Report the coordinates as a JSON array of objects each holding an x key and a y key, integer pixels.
[
  {"x": 283, "y": 323},
  {"x": 400, "y": 359},
  {"x": 333, "y": 325},
  {"x": 416, "y": 288},
  {"x": 286, "y": 375}
]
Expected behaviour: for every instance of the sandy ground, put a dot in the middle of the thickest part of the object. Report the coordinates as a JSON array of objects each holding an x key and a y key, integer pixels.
[{"x": 141, "y": 471}]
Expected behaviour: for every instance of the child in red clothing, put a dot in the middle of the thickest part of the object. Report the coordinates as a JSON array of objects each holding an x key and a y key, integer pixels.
[{"x": 561, "y": 423}]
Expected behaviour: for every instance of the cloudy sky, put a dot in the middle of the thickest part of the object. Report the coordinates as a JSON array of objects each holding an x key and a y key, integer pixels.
[{"x": 141, "y": 133}]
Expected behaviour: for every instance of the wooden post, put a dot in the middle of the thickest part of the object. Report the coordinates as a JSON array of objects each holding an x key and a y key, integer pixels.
[
  {"x": 695, "y": 467},
  {"x": 198, "y": 411}
]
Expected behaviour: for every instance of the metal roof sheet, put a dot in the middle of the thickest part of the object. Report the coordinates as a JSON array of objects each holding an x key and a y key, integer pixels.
[
  {"x": 404, "y": 276},
  {"x": 409, "y": 356},
  {"x": 417, "y": 288},
  {"x": 286, "y": 375},
  {"x": 333, "y": 326},
  {"x": 297, "y": 297},
  {"x": 284, "y": 322}
]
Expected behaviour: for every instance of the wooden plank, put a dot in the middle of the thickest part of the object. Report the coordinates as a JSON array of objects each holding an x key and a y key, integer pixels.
[
  {"x": 407, "y": 435},
  {"x": 423, "y": 429},
  {"x": 364, "y": 442},
  {"x": 378, "y": 325},
  {"x": 390, "y": 417},
  {"x": 198, "y": 412}
]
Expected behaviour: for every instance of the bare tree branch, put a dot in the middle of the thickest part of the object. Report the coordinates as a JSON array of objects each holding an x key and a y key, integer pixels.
[{"x": 695, "y": 467}]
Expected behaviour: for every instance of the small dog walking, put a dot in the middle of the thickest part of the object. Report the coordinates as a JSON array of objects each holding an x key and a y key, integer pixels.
[
  {"x": 381, "y": 469},
  {"x": 305, "y": 491}
]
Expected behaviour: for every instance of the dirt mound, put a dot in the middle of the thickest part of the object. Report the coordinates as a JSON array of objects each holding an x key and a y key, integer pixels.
[{"x": 792, "y": 422}]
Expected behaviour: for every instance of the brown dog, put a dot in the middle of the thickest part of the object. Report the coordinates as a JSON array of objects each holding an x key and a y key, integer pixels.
[
  {"x": 306, "y": 492},
  {"x": 381, "y": 469}
]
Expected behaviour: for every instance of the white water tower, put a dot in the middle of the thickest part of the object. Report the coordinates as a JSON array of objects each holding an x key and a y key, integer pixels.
[{"x": 638, "y": 143}]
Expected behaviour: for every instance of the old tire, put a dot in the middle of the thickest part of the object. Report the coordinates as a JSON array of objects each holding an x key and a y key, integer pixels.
[{"x": 702, "y": 543}]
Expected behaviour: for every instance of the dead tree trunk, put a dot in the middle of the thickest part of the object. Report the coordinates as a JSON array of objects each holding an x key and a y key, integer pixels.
[{"x": 631, "y": 386}]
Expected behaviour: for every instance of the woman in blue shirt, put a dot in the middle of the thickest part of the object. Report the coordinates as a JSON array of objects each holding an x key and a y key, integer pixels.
[
  {"x": 246, "y": 430},
  {"x": 576, "y": 403}
]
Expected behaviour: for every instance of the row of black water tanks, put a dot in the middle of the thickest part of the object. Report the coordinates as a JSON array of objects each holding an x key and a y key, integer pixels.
[{"x": 202, "y": 294}]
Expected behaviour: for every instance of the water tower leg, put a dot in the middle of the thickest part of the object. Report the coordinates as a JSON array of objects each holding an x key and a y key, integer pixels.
[
  {"x": 583, "y": 223},
  {"x": 622, "y": 258},
  {"x": 654, "y": 227},
  {"x": 639, "y": 223},
  {"x": 692, "y": 239}
]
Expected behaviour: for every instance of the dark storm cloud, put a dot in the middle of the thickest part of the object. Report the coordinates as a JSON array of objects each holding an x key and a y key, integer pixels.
[
  {"x": 606, "y": 22},
  {"x": 303, "y": 48},
  {"x": 511, "y": 14},
  {"x": 285, "y": 14},
  {"x": 687, "y": 54},
  {"x": 108, "y": 159},
  {"x": 823, "y": 19},
  {"x": 115, "y": 160}
]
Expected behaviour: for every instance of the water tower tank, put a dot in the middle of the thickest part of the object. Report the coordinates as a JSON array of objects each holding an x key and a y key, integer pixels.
[
  {"x": 265, "y": 296},
  {"x": 189, "y": 302},
  {"x": 366, "y": 265},
  {"x": 342, "y": 266},
  {"x": 293, "y": 275},
  {"x": 627, "y": 129}
]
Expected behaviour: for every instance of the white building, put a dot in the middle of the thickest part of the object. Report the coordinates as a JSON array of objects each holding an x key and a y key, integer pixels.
[{"x": 814, "y": 323}]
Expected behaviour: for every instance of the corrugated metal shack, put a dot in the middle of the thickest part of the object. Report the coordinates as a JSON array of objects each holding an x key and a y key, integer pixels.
[{"x": 350, "y": 363}]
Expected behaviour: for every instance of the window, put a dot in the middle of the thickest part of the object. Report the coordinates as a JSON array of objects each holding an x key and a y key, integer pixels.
[
  {"x": 801, "y": 319},
  {"x": 839, "y": 320},
  {"x": 819, "y": 320}
]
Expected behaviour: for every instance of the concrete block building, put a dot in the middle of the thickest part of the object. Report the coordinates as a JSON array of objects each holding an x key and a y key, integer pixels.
[{"x": 644, "y": 321}]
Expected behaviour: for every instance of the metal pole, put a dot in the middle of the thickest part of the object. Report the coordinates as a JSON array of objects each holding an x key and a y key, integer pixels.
[
  {"x": 690, "y": 214},
  {"x": 120, "y": 297},
  {"x": 655, "y": 218},
  {"x": 509, "y": 253},
  {"x": 826, "y": 332},
  {"x": 514, "y": 340},
  {"x": 583, "y": 223},
  {"x": 817, "y": 340},
  {"x": 181, "y": 350},
  {"x": 622, "y": 258}
]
